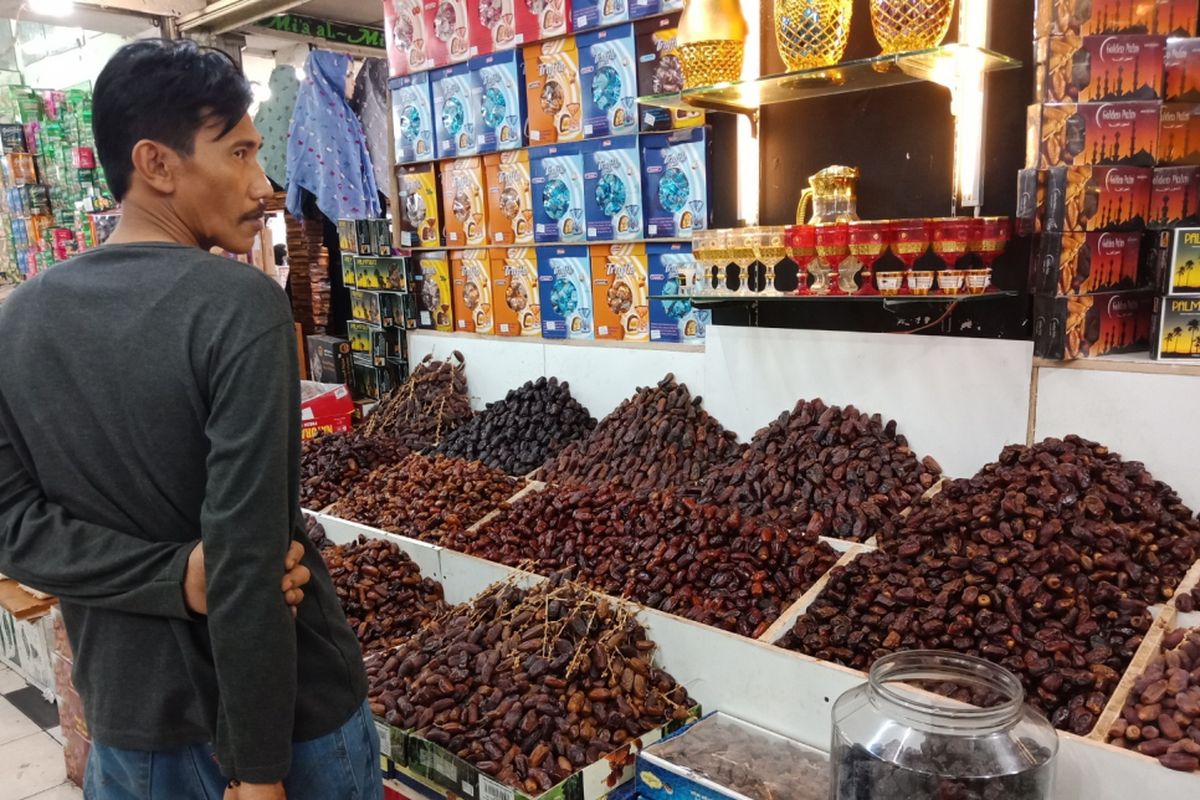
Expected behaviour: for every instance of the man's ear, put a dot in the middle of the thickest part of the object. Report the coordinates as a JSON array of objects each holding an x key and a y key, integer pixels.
[{"x": 156, "y": 164}]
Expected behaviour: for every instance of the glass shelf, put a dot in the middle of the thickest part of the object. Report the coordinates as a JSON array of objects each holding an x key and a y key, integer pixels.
[
  {"x": 940, "y": 65},
  {"x": 885, "y": 300}
]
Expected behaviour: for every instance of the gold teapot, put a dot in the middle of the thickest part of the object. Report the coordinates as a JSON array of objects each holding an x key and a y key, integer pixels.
[{"x": 833, "y": 193}]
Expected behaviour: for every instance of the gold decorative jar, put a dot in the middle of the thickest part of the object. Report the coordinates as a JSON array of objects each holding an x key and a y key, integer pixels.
[
  {"x": 903, "y": 25},
  {"x": 812, "y": 33},
  {"x": 711, "y": 41}
]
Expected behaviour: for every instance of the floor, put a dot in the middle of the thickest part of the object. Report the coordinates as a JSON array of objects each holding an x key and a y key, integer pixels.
[{"x": 31, "y": 755}]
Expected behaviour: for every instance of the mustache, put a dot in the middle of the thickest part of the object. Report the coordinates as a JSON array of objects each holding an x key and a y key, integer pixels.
[{"x": 254, "y": 215}]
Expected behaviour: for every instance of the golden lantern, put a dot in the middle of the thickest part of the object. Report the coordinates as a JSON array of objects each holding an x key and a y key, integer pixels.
[
  {"x": 903, "y": 25},
  {"x": 711, "y": 39},
  {"x": 812, "y": 33}
]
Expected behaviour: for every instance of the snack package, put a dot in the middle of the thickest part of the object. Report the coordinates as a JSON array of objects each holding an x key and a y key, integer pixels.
[
  {"x": 1182, "y": 66},
  {"x": 1175, "y": 202},
  {"x": 1091, "y": 17},
  {"x": 432, "y": 286},
  {"x": 554, "y": 94},
  {"x": 419, "y": 207},
  {"x": 673, "y": 318},
  {"x": 565, "y": 290},
  {"x": 661, "y": 72},
  {"x": 1090, "y": 326},
  {"x": 364, "y": 307},
  {"x": 612, "y": 175},
  {"x": 456, "y": 110},
  {"x": 1083, "y": 69},
  {"x": 510, "y": 202},
  {"x": 675, "y": 186},
  {"x": 620, "y": 292},
  {"x": 515, "y": 292},
  {"x": 1176, "y": 18},
  {"x": 464, "y": 203},
  {"x": 448, "y": 31},
  {"x": 404, "y": 30},
  {"x": 558, "y": 189},
  {"x": 412, "y": 118},
  {"x": 598, "y": 13},
  {"x": 1086, "y": 263},
  {"x": 349, "y": 279},
  {"x": 1086, "y": 199},
  {"x": 639, "y": 9},
  {"x": 1064, "y": 134},
  {"x": 608, "y": 70},
  {"x": 1179, "y": 136},
  {"x": 472, "y": 279},
  {"x": 501, "y": 114},
  {"x": 1176, "y": 326}
]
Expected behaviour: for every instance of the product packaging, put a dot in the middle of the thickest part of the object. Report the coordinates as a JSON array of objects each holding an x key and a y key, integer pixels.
[
  {"x": 640, "y": 9},
  {"x": 348, "y": 236},
  {"x": 348, "y": 277},
  {"x": 671, "y": 267},
  {"x": 394, "y": 310},
  {"x": 456, "y": 110},
  {"x": 1179, "y": 138},
  {"x": 612, "y": 175},
  {"x": 464, "y": 203},
  {"x": 510, "y": 202},
  {"x": 404, "y": 28},
  {"x": 376, "y": 382},
  {"x": 12, "y": 139},
  {"x": 608, "y": 71},
  {"x": 587, "y": 14},
  {"x": 364, "y": 307},
  {"x": 1182, "y": 64},
  {"x": 328, "y": 359},
  {"x": 381, "y": 234},
  {"x": 359, "y": 334},
  {"x": 368, "y": 274},
  {"x": 1086, "y": 263},
  {"x": 1086, "y": 199},
  {"x": 1176, "y": 335},
  {"x": 661, "y": 72},
  {"x": 558, "y": 193},
  {"x": 1176, "y": 17},
  {"x": 565, "y": 290},
  {"x": 554, "y": 94},
  {"x": 675, "y": 186},
  {"x": 1091, "y": 17},
  {"x": 492, "y": 25},
  {"x": 1176, "y": 198},
  {"x": 1090, "y": 326},
  {"x": 620, "y": 292},
  {"x": 1082, "y": 69},
  {"x": 412, "y": 118},
  {"x": 1180, "y": 251},
  {"x": 420, "y": 225},
  {"x": 448, "y": 31},
  {"x": 501, "y": 113},
  {"x": 325, "y": 407},
  {"x": 471, "y": 275},
  {"x": 377, "y": 272},
  {"x": 431, "y": 284},
  {"x": 1064, "y": 134},
  {"x": 515, "y": 292}
]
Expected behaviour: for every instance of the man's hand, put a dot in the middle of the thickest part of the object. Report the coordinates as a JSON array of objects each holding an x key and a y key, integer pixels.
[
  {"x": 295, "y": 576},
  {"x": 255, "y": 791}
]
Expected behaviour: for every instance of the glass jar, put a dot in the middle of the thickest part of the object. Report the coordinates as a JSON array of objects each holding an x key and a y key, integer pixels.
[{"x": 909, "y": 733}]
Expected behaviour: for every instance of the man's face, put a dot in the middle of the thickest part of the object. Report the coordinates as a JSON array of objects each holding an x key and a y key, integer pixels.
[{"x": 221, "y": 190}]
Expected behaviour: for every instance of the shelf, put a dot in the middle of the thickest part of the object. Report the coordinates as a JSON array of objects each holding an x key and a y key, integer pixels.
[
  {"x": 940, "y": 65},
  {"x": 1128, "y": 362},
  {"x": 585, "y": 243},
  {"x": 616, "y": 344},
  {"x": 886, "y": 301}
]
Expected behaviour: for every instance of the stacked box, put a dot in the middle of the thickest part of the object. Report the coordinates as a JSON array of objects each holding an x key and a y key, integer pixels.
[
  {"x": 661, "y": 72},
  {"x": 558, "y": 193},
  {"x": 1179, "y": 135},
  {"x": 672, "y": 318},
  {"x": 471, "y": 276},
  {"x": 565, "y": 289},
  {"x": 448, "y": 31},
  {"x": 1080, "y": 69},
  {"x": 675, "y": 186},
  {"x": 1177, "y": 18},
  {"x": 554, "y": 94},
  {"x": 1067, "y": 134},
  {"x": 464, "y": 203},
  {"x": 1077, "y": 263},
  {"x": 420, "y": 224},
  {"x": 620, "y": 292},
  {"x": 1175, "y": 201},
  {"x": 404, "y": 32},
  {"x": 1182, "y": 65},
  {"x": 587, "y": 14},
  {"x": 1084, "y": 198},
  {"x": 612, "y": 175},
  {"x": 1090, "y": 17},
  {"x": 434, "y": 293},
  {"x": 501, "y": 115},
  {"x": 456, "y": 110},
  {"x": 364, "y": 307},
  {"x": 329, "y": 359},
  {"x": 510, "y": 201},
  {"x": 608, "y": 70},
  {"x": 1090, "y": 326},
  {"x": 515, "y": 294},
  {"x": 412, "y": 118}
]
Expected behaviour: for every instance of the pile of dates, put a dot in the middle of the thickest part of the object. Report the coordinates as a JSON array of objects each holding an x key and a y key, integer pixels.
[
  {"x": 423, "y": 410},
  {"x": 521, "y": 432},
  {"x": 530, "y": 686},
  {"x": 661, "y": 438},
  {"x": 422, "y": 496},
  {"x": 827, "y": 470},
  {"x": 382, "y": 592},
  {"x": 706, "y": 563},
  {"x": 315, "y": 532},
  {"x": 330, "y": 464},
  {"x": 1045, "y": 562},
  {"x": 1161, "y": 718}
]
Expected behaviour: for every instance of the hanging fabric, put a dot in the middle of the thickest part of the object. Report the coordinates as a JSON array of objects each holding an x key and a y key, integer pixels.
[
  {"x": 327, "y": 152},
  {"x": 273, "y": 119},
  {"x": 371, "y": 102}
]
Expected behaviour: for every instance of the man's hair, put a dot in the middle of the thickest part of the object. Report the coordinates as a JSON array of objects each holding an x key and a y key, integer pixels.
[{"x": 165, "y": 91}]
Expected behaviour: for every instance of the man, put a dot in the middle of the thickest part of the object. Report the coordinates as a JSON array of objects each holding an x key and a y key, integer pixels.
[{"x": 149, "y": 440}]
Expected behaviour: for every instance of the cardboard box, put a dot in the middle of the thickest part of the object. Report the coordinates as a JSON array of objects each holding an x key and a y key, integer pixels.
[
  {"x": 349, "y": 279},
  {"x": 565, "y": 291},
  {"x": 404, "y": 32},
  {"x": 1182, "y": 65},
  {"x": 412, "y": 118},
  {"x": 1065, "y": 134},
  {"x": 557, "y": 185},
  {"x": 377, "y": 382},
  {"x": 456, "y": 111},
  {"x": 501, "y": 116},
  {"x": 448, "y": 31},
  {"x": 324, "y": 408},
  {"x": 471, "y": 274},
  {"x": 359, "y": 334},
  {"x": 675, "y": 186},
  {"x": 510, "y": 202},
  {"x": 328, "y": 359},
  {"x": 1085, "y": 198},
  {"x": 670, "y": 270},
  {"x": 1081, "y": 69},
  {"x": 1179, "y": 139},
  {"x": 1090, "y": 326},
  {"x": 376, "y": 273},
  {"x": 1090, "y": 17},
  {"x": 608, "y": 70},
  {"x": 515, "y": 292},
  {"x": 394, "y": 310},
  {"x": 1177, "y": 18},
  {"x": 640, "y": 9},
  {"x": 1176, "y": 198},
  {"x": 661, "y": 72},
  {"x": 587, "y": 14},
  {"x": 1176, "y": 328},
  {"x": 464, "y": 203},
  {"x": 1086, "y": 263},
  {"x": 432, "y": 287},
  {"x": 493, "y": 27},
  {"x": 1181, "y": 270},
  {"x": 554, "y": 94},
  {"x": 420, "y": 224},
  {"x": 348, "y": 237},
  {"x": 612, "y": 176},
  {"x": 620, "y": 292},
  {"x": 364, "y": 307}
]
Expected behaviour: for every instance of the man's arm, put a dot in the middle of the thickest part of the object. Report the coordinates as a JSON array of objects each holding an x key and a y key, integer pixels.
[{"x": 246, "y": 524}]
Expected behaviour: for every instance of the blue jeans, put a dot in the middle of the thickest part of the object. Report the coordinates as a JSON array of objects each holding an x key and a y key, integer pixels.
[{"x": 343, "y": 765}]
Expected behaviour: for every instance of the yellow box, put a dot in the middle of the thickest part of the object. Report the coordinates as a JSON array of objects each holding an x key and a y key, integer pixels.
[
  {"x": 464, "y": 202},
  {"x": 510, "y": 202},
  {"x": 620, "y": 292},
  {"x": 471, "y": 272},
  {"x": 518, "y": 310},
  {"x": 554, "y": 91},
  {"x": 420, "y": 224},
  {"x": 435, "y": 304}
]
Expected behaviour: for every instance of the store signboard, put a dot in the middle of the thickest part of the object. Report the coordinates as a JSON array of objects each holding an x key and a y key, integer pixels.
[{"x": 330, "y": 31}]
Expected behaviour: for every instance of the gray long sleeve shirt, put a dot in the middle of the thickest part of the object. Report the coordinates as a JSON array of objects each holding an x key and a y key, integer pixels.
[{"x": 149, "y": 400}]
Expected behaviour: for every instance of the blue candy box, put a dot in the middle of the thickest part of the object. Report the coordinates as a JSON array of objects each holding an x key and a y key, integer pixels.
[
  {"x": 557, "y": 183},
  {"x": 412, "y": 117},
  {"x": 594, "y": 13},
  {"x": 501, "y": 114},
  {"x": 675, "y": 187},
  {"x": 608, "y": 70},
  {"x": 565, "y": 289},
  {"x": 612, "y": 175},
  {"x": 456, "y": 110},
  {"x": 671, "y": 270}
]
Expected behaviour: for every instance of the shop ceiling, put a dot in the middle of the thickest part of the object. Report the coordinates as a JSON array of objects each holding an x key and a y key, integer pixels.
[{"x": 222, "y": 16}]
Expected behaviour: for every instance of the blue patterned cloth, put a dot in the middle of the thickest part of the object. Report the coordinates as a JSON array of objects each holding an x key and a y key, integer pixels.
[{"x": 327, "y": 150}]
